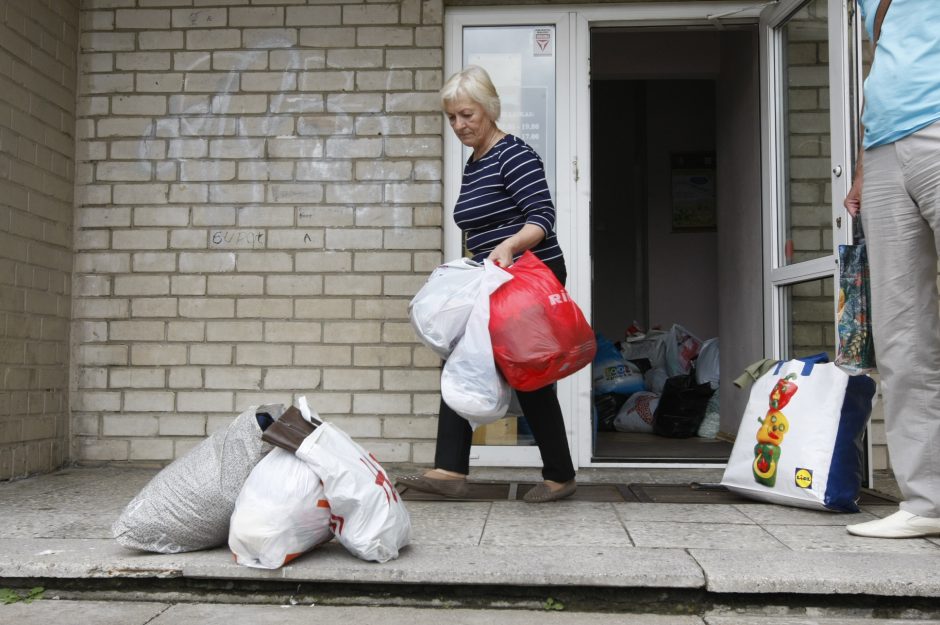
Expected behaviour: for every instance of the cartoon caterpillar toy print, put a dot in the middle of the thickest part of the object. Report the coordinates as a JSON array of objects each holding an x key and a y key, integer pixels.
[{"x": 774, "y": 426}]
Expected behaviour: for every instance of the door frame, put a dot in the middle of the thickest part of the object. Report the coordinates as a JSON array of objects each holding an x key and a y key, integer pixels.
[
  {"x": 573, "y": 25},
  {"x": 777, "y": 276}
]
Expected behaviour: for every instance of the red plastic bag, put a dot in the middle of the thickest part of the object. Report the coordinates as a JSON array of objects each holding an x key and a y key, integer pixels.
[{"x": 539, "y": 334}]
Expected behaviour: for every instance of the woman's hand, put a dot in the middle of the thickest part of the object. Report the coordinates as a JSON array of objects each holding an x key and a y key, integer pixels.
[{"x": 528, "y": 237}]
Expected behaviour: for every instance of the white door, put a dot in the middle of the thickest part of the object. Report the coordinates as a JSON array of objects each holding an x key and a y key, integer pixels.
[
  {"x": 527, "y": 54},
  {"x": 806, "y": 170}
]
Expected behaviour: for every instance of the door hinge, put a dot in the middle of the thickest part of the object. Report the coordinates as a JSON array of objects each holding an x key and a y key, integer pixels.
[{"x": 574, "y": 169}]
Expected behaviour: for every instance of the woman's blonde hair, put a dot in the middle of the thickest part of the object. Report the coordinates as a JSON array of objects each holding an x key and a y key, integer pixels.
[{"x": 473, "y": 82}]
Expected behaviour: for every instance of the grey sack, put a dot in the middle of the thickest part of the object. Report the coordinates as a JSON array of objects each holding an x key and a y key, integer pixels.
[{"x": 187, "y": 505}]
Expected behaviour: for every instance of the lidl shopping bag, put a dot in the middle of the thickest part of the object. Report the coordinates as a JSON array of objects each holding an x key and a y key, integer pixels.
[
  {"x": 367, "y": 515},
  {"x": 539, "y": 334},
  {"x": 440, "y": 309},
  {"x": 800, "y": 440}
]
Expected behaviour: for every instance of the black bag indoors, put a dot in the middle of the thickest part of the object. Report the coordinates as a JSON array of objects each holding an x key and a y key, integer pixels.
[{"x": 681, "y": 408}]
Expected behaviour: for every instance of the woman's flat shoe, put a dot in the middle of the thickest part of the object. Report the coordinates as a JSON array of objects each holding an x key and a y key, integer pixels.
[
  {"x": 541, "y": 493},
  {"x": 447, "y": 488}
]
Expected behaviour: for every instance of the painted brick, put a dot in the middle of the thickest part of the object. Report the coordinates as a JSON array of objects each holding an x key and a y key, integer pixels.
[
  {"x": 384, "y": 403},
  {"x": 233, "y": 378},
  {"x": 180, "y": 425},
  {"x": 137, "y": 377},
  {"x": 128, "y": 425},
  {"x": 235, "y": 285},
  {"x": 154, "y": 307},
  {"x": 188, "y": 285},
  {"x": 141, "y": 285},
  {"x": 385, "y": 36},
  {"x": 332, "y": 308},
  {"x": 324, "y": 355},
  {"x": 214, "y": 401},
  {"x": 288, "y": 379},
  {"x": 384, "y": 261},
  {"x": 410, "y": 380},
  {"x": 151, "y": 449},
  {"x": 350, "y": 332},
  {"x": 211, "y": 355},
  {"x": 157, "y": 355},
  {"x": 234, "y": 331},
  {"x": 294, "y": 285},
  {"x": 149, "y": 401},
  {"x": 314, "y": 16},
  {"x": 263, "y": 355},
  {"x": 292, "y": 332},
  {"x": 384, "y": 125},
  {"x": 371, "y": 14},
  {"x": 200, "y": 18},
  {"x": 381, "y": 356},
  {"x": 264, "y": 307},
  {"x": 351, "y": 379},
  {"x": 186, "y": 331}
]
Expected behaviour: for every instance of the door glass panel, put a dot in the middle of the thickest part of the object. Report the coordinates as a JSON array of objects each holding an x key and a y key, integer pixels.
[
  {"x": 808, "y": 317},
  {"x": 521, "y": 62},
  {"x": 806, "y": 218}
]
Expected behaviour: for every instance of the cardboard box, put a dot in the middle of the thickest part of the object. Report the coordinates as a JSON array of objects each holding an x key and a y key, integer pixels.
[{"x": 502, "y": 432}]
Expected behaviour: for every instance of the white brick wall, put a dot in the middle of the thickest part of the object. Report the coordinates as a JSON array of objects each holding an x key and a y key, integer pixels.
[
  {"x": 38, "y": 69},
  {"x": 257, "y": 191},
  {"x": 259, "y": 196}
]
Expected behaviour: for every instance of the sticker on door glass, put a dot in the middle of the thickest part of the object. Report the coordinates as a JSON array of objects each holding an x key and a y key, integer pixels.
[{"x": 542, "y": 42}]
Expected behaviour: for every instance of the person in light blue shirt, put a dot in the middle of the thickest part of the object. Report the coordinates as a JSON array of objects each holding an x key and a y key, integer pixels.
[{"x": 897, "y": 195}]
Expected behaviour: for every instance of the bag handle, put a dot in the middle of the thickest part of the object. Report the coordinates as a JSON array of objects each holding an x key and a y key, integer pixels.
[{"x": 879, "y": 20}]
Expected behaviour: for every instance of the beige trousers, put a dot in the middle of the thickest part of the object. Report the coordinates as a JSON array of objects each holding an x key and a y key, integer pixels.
[{"x": 901, "y": 217}]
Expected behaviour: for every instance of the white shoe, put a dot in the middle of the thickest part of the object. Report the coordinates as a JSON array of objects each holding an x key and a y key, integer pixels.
[{"x": 901, "y": 524}]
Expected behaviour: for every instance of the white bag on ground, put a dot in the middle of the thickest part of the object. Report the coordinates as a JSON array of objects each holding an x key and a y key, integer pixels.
[
  {"x": 471, "y": 384},
  {"x": 188, "y": 505},
  {"x": 706, "y": 365},
  {"x": 711, "y": 424},
  {"x": 681, "y": 349},
  {"x": 440, "y": 309},
  {"x": 636, "y": 414},
  {"x": 367, "y": 515},
  {"x": 807, "y": 419},
  {"x": 281, "y": 513},
  {"x": 651, "y": 346}
]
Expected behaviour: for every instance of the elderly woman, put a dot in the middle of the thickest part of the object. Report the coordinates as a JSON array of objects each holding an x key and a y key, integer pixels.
[{"x": 504, "y": 208}]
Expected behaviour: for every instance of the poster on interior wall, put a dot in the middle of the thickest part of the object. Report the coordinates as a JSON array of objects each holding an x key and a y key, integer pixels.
[{"x": 693, "y": 191}]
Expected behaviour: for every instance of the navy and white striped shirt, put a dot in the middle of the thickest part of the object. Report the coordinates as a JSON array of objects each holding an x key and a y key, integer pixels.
[{"x": 502, "y": 192}]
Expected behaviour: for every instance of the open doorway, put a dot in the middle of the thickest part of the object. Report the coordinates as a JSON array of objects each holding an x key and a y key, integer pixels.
[{"x": 661, "y": 114}]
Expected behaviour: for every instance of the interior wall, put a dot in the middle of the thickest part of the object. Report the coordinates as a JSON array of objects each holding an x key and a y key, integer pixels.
[
  {"x": 683, "y": 266},
  {"x": 618, "y": 206},
  {"x": 39, "y": 49}
]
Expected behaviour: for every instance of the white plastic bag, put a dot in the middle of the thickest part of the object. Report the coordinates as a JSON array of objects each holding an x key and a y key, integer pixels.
[
  {"x": 706, "y": 366},
  {"x": 651, "y": 346},
  {"x": 636, "y": 414},
  {"x": 367, "y": 515},
  {"x": 440, "y": 309},
  {"x": 281, "y": 513},
  {"x": 681, "y": 349},
  {"x": 188, "y": 505},
  {"x": 470, "y": 382}
]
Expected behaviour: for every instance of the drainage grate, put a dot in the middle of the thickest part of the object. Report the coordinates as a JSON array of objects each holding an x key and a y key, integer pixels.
[{"x": 693, "y": 492}]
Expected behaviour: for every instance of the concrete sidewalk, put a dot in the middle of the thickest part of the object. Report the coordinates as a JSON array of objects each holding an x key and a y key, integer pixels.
[{"x": 54, "y": 531}]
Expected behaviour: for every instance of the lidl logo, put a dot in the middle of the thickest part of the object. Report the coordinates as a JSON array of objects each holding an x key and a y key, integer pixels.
[{"x": 804, "y": 478}]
